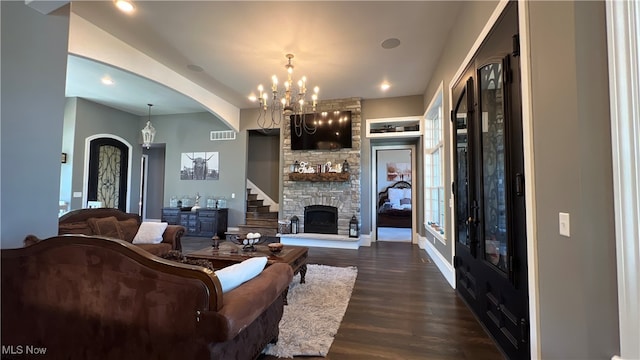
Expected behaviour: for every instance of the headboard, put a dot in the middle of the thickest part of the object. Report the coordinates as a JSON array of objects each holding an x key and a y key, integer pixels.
[{"x": 384, "y": 195}]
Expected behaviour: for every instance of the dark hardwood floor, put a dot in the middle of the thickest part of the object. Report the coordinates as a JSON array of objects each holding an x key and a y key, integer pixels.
[{"x": 401, "y": 308}]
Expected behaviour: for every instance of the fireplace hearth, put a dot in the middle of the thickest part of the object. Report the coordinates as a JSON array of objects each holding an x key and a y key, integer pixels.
[{"x": 321, "y": 219}]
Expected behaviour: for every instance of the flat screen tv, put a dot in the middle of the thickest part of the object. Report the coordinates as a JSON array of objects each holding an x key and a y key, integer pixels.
[{"x": 324, "y": 131}]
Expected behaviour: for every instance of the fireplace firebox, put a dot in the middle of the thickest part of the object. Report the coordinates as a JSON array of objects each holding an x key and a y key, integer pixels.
[{"x": 321, "y": 219}]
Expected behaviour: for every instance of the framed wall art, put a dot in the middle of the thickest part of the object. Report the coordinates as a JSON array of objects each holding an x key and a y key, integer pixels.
[
  {"x": 398, "y": 171},
  {"x": 199, "y": 166}
]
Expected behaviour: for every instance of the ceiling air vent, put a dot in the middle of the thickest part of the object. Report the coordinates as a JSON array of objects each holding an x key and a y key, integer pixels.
[{"x": 223, "y": 135}]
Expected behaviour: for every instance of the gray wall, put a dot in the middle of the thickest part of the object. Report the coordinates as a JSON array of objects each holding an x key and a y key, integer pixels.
[
  {"x": 155, "y": 180},
  {"x": 572, "y": 158},
  {"x": 34, "y": 63},
  {"x": 263, "y": 162},
  {"x": 190, "y": 133},
  {"x": 474, "y": 16},
  {"x": 68, "y": 137},
  {"x": 92, "y": 119}
]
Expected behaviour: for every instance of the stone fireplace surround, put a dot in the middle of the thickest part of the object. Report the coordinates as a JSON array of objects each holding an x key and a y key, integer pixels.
[{"x": 344, "y": 195}]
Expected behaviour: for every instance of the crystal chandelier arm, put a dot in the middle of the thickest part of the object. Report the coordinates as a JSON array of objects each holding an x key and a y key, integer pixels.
[
  {"x": 288, "y": 102},
  {"x": 276, "y": 115}
]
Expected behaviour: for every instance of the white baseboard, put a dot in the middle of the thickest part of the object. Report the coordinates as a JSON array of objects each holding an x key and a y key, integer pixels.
[
  {"x": 365, "y": 240},
  {"x": 443, "y": 265}
]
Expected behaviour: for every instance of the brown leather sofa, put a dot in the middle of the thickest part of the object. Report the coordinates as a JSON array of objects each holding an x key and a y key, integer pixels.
[
  {"x": 83, "y": 221},
  {"x": 98, "y": 298}
]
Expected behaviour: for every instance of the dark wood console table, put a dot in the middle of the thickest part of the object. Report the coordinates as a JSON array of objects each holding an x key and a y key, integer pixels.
[{"x": 204, "y": 222}]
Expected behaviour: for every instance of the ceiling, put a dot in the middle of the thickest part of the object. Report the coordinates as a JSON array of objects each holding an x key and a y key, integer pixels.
[{"x": 236, "y": 45}]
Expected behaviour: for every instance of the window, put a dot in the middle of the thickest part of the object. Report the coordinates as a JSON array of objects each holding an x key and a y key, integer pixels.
[{"x": 434, "y": 198}]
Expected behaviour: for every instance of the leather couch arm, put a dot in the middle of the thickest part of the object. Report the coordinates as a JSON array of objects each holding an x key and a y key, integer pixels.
[
  {"x": 172, "y": 235},
  {"x": 242, "y": 305}
]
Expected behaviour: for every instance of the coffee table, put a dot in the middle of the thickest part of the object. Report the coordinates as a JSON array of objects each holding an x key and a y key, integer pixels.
[{"x": 229, "y": 254}]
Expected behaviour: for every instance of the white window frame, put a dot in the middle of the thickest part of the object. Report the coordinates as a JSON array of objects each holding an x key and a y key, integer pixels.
[
  {"x": 434, "y": 167},
  {"x": 623, "y": 22}
]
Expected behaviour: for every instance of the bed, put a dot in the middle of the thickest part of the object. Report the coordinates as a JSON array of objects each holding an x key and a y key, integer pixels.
[{"x": 394, "y": 206}]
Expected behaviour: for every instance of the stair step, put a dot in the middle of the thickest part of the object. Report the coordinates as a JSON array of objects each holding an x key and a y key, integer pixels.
[
  {"x": 262, "y": 215},
  {"x": 262, "y": 208},
  {"x": 251, "y": 197},
  {"x": 263, "y": 222},
  {"x": 255, "y": 202}
]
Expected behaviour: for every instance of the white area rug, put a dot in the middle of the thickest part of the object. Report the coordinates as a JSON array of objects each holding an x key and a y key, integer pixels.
[{"x": 315, "y": 310}]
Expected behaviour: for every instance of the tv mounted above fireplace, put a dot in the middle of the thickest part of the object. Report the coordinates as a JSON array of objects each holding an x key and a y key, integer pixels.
[{"x": 332, "y": 131}]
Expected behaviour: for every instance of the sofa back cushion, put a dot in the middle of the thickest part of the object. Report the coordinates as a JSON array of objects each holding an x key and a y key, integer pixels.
[
  {"x": 80, "y": 228},
  {"x": 108, "y": 226},
  {"x": 129, "y": 228}
]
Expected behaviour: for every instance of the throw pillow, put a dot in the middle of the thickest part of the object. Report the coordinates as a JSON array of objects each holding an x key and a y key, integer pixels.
[
  {"x": 150, "y": 233},
  {"x": 233, "y": 276},
  {"x": 107, "y": 226},
  {"x": 81, "y": 227},
  {"x": 405, "y": 201},
  {"x": 129, "y": 229}
]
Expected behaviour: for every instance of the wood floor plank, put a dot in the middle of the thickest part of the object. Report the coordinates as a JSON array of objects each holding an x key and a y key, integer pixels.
[{"x": 401, "y": 308}]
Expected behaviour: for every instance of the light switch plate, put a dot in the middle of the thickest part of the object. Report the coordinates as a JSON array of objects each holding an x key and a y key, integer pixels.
[
  {"x": 77, "y": 194},
  {"x": 565, "y": 224}
]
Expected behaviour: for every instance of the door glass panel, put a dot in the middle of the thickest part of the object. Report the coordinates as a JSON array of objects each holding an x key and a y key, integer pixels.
[
  {"x": 462, "y": 173},
  {"x": 493, "y": 165},
  {"x": 109, "y": 176}
]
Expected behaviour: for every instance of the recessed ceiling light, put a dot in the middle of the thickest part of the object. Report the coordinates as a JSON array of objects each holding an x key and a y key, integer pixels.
[
  {"x": 385, "y": 86},
  {"x": 125, "y": 6},
  {"x": 390, "y": 43},
  {"x": 107, "y": 80}
]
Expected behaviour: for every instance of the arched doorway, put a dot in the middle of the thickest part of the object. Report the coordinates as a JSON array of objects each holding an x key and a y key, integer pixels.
[{"x": 108, "y": 172}]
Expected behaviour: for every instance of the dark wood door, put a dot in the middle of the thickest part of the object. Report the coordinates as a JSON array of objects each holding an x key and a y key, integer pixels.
[
  {"x": 108, "y": 172},
  {"x": 490, "y": 230}
]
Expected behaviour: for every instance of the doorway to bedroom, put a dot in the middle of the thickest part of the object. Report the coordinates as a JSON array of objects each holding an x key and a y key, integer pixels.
[{"x": 393, "y": 198}]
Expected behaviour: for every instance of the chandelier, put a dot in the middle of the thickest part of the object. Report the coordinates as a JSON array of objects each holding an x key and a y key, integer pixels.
[
  {"x": 149, "y": 132},
  {"x": 286, "y": 102}
]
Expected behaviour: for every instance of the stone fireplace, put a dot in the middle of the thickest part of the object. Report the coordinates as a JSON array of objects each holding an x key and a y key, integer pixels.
[
  {"x": 343, "y": 195},
  {"x": 321, "y": 219}
]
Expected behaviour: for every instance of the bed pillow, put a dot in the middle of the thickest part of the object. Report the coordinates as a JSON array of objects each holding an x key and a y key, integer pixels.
[
  {"x": 405, "y": 201},
  {"x": 235, "y": 275},
  {"x": 407, "y": 193},
  {"x": 150, "y": 233},
  {"x": 395, "y": 195}
]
